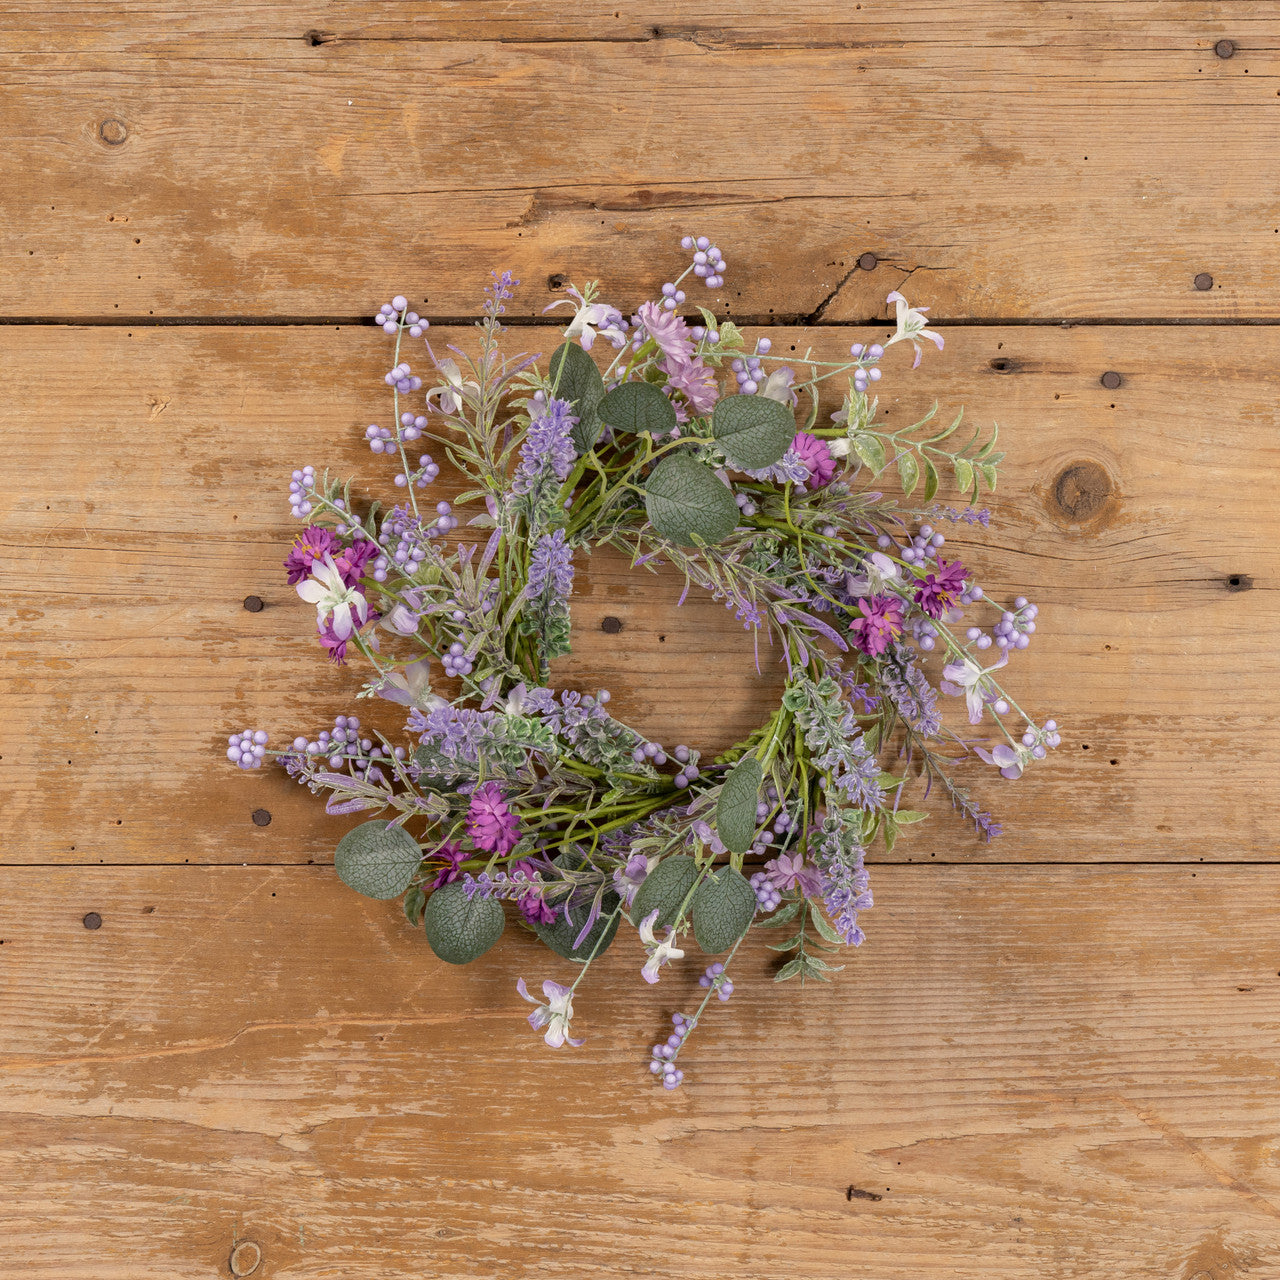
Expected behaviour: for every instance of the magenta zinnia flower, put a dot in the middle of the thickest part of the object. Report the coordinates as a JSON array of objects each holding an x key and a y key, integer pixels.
[
  {"x": 815, "y": 455},
  {"x": 881, "y": 623},
  {"x": 938, "y": 592},
  {"x": 351, "y": 560},
  {"x": 452, "y": 856},
  {"x": 490, "y": 824},
  {"x": 310, "y": 547}
]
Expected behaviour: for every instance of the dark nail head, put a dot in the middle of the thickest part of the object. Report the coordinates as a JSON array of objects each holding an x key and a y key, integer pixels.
[
  {"x": 262, "y": 817},
  {"x": 93, "y": 920},
  {"x": 611, "y": 625},
  {"x": 1203, "y": 282},
  {"x": 1111, "y": 380},
  {"x": 868, "y": 261},
  {"x": 254, "y": 604},
  {"x": 1225, "y": 48}
]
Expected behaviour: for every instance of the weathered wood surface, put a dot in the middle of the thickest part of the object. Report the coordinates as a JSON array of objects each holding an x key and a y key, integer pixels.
[
  {"x": 1044, "y": 1072},
  {"x": 1047, "y": 1072},
  {"x": 1014, "y": 159},
  {"x": 131, "y": 560}
]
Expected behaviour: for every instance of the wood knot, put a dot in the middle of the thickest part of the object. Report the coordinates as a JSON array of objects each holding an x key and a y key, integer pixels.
[
  {"x": 1239, "y": 582},
  {"x": 245, "y": 1259},
  {"x": 1001, "y": 364},
  {"x": 557, "y": 281},
  {"x": 113, "y": 132},
  {"x": 1082, "y": 491},
  {"x": 868, "y": 261},
  {"x": 611, "y": 625},
  {"x": 315, "y": 38}
]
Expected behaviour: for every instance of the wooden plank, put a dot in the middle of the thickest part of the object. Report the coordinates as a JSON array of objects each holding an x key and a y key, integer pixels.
[
  {"x": 1064, "y": 1072},
  {"x": 1016, "y": 159},
  {"x": 148, "y": 503}
]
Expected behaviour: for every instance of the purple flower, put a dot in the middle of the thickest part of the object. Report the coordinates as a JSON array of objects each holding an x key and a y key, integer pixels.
[
  {"x": 938, "y": 592},
  {"x": 815, "y": 455},
  {"x": 788, "y": 871},
  {"x": 555, "y": 1015},
  {"x": 490, "y": 824},
  {"x": 669, "y": 331},
  {"x": 547, "y": 450},
  {"x": 531, "y": 905},
  {"x": 311, "y": 546},
  {"x": 452, "y": 857},
  {"x": 550, "y": 566},
  {"x": 881, "y": 623},
  {"x": 696, "y": 382},
  {"x": 351, "y": 560},
  {"x": 627, "y": 880}
]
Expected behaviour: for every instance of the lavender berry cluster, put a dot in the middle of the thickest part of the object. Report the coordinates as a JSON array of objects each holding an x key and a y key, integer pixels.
[{"x": 516, "y": 802}]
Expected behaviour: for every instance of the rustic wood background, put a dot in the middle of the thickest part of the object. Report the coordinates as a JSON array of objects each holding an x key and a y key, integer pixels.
[{"x": 1056, "y": 1056}]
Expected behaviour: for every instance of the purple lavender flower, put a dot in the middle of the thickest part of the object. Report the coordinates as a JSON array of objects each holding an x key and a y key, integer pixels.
[
  {"x": 879, "y": 626},
  {"x": 490, "y": 824},
  {"x": 845, "y": 892},
  {"x": 547, "y": 450},
  {"x": 915, "y": 699},
  {"x": 550, "y": 566},
  {"x": 532, "y": 906},
  {"x": 815, "y": 455}
]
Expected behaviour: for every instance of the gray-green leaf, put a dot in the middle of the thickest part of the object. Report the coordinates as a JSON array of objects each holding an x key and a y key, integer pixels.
[
  {"x": 377, "y": 860},
  {"x": 637, "y": 406},
  {"x": 870, "y": 450},
  {"x": 686, "y": 500},
  {"x": 576, "y": 379},
  {"x": 560, "y": 934},
  {"x": 461, "y": 929},
  {"x": 736, "y": 807},
  {"x": 664, "y": 890},
  {"x": 723, "y": 909},
  {"x": 753, "y": 431},
  {"x": 908, "y": 472}
]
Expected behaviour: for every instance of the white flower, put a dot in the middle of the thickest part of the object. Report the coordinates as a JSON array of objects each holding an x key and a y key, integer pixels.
[
  {"x": 587, "y": 318},
  {"x": 326, "y": 590},
  {"x": 554, "y": 1015},
  {"x": 779, "y": 386},
  {"x": 911, "y": 325},
  {"x": 410, "y": 687},
  {"x": 1009, "y": 760},
  {"x": 450, "y": 394},
  {"x": 878, "y": 571},
  {"x": 839, "y": 448},
  {"x": 659, "y": 951},
  {"x": 967, "y": 678}
]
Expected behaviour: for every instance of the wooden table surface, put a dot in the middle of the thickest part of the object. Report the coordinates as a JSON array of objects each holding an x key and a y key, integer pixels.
[{"x": 1056, "y": 1055}]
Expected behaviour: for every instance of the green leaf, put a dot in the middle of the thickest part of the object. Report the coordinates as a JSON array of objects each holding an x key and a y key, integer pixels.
[
  {"x": 414, "y": 901},
  {"x": 723, "y": 908},
  {"x": 460, "y": 929},
  {"x": 686, "y": 501},
  {"x": 753, "y": 431},
  {"x": 736, "y": 806},
  {"x": 989, "y": 475},
  {"x": 823, "y": 926},
  {"x": 909, "y": 472},
  {"x": 784, "y": 915},
  {"x": 664, "y": 890},
  {"x": 906, "y": 817},
  {"x": 870, "y": 450},
  {"x": 637, "y": 406},
  {"x": 560, "y": 935},
  {"x": 377, "y": 860},
  {"x": 964, "y": 473},
  {"x": 930, "y": 480},
  {"x": 575, "y": 378}
]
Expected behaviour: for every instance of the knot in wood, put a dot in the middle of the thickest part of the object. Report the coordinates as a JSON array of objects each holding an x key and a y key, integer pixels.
[
  {"x": 113, "y": 132},
  {"x": 1001, "y": 364},
  {"x": 557, "y": 281},
  {"x": 1081, "y": 491},
  {"x": 245, "y": 1259}
]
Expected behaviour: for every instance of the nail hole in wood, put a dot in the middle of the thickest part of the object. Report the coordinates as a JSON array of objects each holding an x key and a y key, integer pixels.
[
  {"x": 557, "y": 281},
  {"x": 314, "y": 37},
  {"x": 857, "y": 1193},
  {"x": 1239, "y": 582},
  {"x": 93, "y": 921},
  {"x": 261, "y": 817},
  {"x": 611, "y": 625},
  {"x": 1002, "y": 364}
]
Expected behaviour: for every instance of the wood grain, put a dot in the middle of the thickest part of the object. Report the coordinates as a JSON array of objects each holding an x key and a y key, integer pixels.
[
  {"x": 132, "y": 654},
  {"x": 1011, "y": 159},
  {"x": 1054, "y": 1072}
]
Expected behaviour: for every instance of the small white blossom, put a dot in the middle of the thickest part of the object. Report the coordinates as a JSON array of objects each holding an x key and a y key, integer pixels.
[
  {"x": 451, "y": 393},
  {"x": 660, "y": 951},
  {"x": 330, "y": 594},
  {"x": 554, "y": 1015},
  {"x": 588, "y": 317},
  {"x": 410, "y": 687},
  {"x": 911, "y": 325},
  {"x": 967, "y": 678}
]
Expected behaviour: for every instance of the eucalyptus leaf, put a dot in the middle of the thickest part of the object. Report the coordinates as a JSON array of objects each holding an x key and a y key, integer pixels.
[
  {"x": 637, "y": 406},
  {"x": 686, "y": 501},
  {"x": 561, "y": 933},
  {"x": 576, "y": 379},
  {"x": 753, "y": 431},
  {"x": 723, "y": 908},
  {"x": 461, "y": 929},
  {"x": 377, "y": 860},
  {"x": 736, "y": 806},
  {"x": 664, "y": 890}
]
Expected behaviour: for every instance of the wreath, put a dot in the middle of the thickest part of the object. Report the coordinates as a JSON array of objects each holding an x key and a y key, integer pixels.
[{"x": 513, "y": 792}]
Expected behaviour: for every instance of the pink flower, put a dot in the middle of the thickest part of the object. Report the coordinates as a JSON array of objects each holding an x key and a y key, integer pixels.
[
  {"x": 351, "y": 560},
  {"x": 696, "y": 382},
  {"x": 490, "y": 824},
  {"x": 815, "y": 455},
  {"x": 669, "y": 331},
  {"x": 881, "y": 623},
  {"x": 787, "y": 871}
]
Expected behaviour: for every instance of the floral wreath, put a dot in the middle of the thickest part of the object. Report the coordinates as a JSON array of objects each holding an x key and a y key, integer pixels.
[{"x": 513, "y": 792}]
